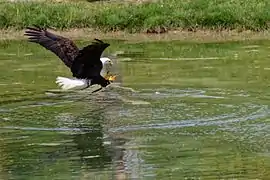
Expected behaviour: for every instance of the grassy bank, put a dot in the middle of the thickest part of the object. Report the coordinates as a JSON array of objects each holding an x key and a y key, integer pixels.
[{"x": 170, "y": 14}]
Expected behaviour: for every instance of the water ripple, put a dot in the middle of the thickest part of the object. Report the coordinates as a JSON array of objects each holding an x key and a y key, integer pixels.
[
  {"x": 45, "y": 129},
  {"x": 216, "y": 120}
]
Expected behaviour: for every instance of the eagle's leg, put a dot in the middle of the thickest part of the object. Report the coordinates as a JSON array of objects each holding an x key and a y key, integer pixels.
[{"x": 97, "y": 90}]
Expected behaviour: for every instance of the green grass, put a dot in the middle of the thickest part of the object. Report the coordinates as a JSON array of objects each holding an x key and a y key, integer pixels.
[{"x": 170, "y": 14}]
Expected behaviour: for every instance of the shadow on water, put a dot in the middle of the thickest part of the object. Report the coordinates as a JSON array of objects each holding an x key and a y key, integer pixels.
[{"x": 183, "y": 111}]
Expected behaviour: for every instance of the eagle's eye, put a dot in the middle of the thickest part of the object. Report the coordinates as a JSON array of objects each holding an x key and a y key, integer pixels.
[{"x": 110, "y": 62}]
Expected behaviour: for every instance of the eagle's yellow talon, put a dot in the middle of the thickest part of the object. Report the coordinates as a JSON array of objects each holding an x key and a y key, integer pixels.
[{"x": 112, "y": 78}]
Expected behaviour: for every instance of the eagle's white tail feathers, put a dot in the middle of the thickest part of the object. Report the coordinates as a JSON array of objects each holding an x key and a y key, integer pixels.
[{"x": 71, "y": 84}]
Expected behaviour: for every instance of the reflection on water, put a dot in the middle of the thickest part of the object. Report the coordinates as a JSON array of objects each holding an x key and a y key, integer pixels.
[
  {"x": 179, "y": 111},
  {"x": 77, "y": 147}
]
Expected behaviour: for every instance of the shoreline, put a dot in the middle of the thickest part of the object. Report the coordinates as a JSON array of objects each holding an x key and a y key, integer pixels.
[{"x": 178, "y": 34}]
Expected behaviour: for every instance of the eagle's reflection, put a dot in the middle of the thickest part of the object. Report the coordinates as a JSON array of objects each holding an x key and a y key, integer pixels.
[
  {"x": 99, "y": 150},
  {"x": 91, "y": 149},
  {"x": 81, "y": 146}
]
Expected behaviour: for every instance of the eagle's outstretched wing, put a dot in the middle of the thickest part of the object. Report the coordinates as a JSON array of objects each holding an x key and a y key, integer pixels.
[
  {"x": 87, "y": 64},
  {"x": 64, "y": 48}
]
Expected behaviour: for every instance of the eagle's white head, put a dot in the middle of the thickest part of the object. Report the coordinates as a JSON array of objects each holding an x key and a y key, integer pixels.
[
  {"x": 106, "y": 66},
  {"x": 78, "y": 84}
]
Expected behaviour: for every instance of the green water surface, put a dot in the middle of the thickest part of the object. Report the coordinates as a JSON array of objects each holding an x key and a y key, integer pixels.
[{"x": 195, "y": 111}]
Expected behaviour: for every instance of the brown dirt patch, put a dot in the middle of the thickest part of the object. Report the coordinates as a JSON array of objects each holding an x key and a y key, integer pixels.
[{"x": 183, "y": 35}]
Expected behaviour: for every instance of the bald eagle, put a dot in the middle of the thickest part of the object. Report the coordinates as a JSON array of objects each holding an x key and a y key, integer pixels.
[{"x": 86, "y": 64}]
